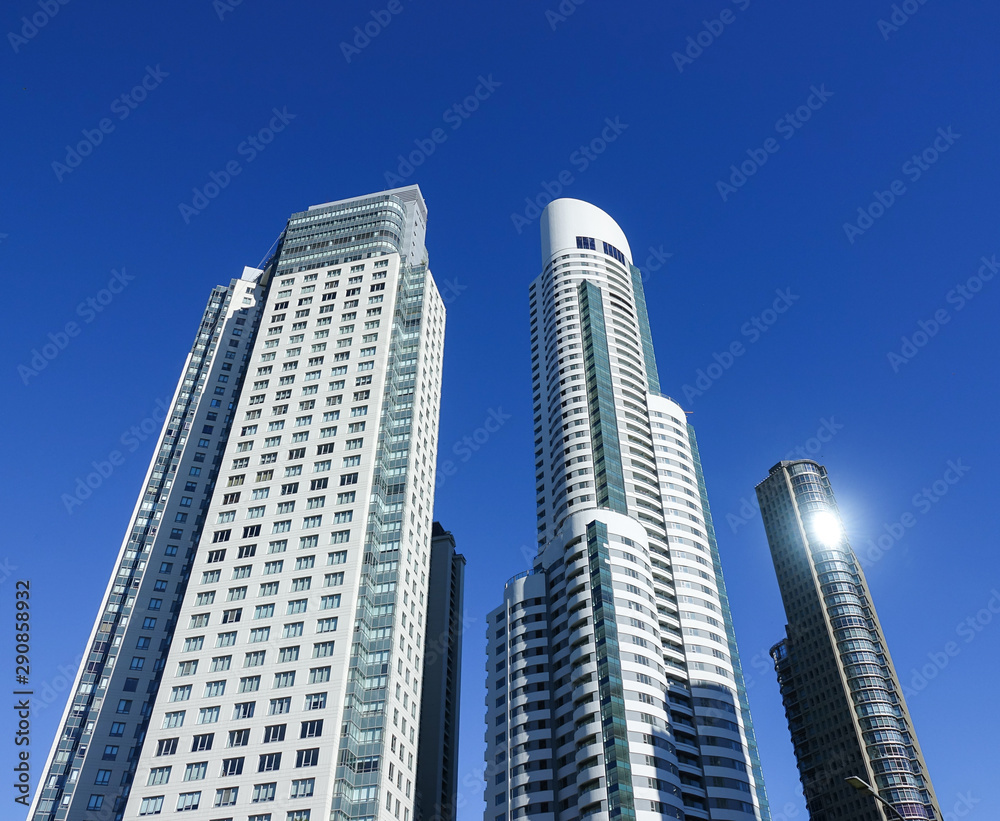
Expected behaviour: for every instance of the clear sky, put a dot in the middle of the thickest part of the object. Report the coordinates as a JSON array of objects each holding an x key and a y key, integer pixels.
[{"x": 245, "y": 112}]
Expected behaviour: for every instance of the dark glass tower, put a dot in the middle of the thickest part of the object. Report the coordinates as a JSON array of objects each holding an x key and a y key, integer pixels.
[
  {"x": 437, "y": 766},
  {"x": 842, "y": 697}
]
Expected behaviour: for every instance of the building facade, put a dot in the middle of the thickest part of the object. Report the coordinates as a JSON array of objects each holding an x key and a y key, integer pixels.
[
  {"x": 614, "y": 686},
  {"x": 437, "y": 768},
  {"x": 259, "y": 650},
  {"x": 843, "y": 700}
]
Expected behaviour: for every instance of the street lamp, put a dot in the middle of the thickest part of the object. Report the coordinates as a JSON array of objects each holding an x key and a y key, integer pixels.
[{"x": 863, "y": 786}]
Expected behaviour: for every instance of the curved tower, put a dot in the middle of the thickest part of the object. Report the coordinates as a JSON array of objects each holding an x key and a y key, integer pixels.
[
  {"x": 835, "y": 660},
  {"x": 615, "y": 687}
]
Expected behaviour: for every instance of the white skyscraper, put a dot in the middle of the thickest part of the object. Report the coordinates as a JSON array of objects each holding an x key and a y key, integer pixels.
[
  {"x": 286, "y": 672},
  {"x": 614, "y": 682}
]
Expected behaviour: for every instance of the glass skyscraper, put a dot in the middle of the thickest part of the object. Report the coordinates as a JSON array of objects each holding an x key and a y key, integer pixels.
[
  {"x": 614, "y": 687},
  {"x": 258, "y": 651},
  {"x": 843, "y": 700}
]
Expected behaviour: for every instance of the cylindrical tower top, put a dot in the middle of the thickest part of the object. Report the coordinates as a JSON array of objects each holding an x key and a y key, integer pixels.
[{"x": 564, "y": 220}]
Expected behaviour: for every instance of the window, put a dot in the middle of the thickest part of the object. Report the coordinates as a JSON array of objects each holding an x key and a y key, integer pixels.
[
  {"x": 283, "y": 680},
  {"x": 297, "y": 606},
  {"x": 166, "y": 746},
  {"x": 349, "y": 479},
  {"x": 95, "y": 802},
  {"x": 316, "y": 701},
  {"x": 330, "y": 602},
  {"x": 303, "y": 788},
  {"x": 249, "y": 684},
  {"x": 220, "y": 664},
  {"x": 208, "y": 715},
  {"x": 232, "y": 766},
  {"x": 151, "y": 806},
  {"x": 202, "y": 742},
  {"x": 193, "y": 643},
  {"x": 307, "y": 758},
  {"x": 226, "y": 797},
  {"x": 236, "y": 593},
  {"x": 327, "y": 625},
  {"x": 259, "y": 634},
  {"x": 293, "y": 630},
  {"x": 196, "y": 771},
  {"x": 157, "y": 775},
  {"x": 319, "y": 675},
  {"x": 288, "y": 654},
  {"x": 301, "y": 585},
  {"x": 175, "y": 719},
  {"x": 269, "y": 762},
  {"x": 312, "y": 729},
  {"x": 262, "y": 793},
  {"x": 274, "y": 732},
  {"x": 188, "y": 801},
  {"x": 180, "y": 693},
  {"x": 279, "y": 706},
  {"x": 226, "y": 639},
  {"x": 263, "y": 611},
  {"x": 214, "y": 689},
  {"x": 245, "y": 709},
  {"x": 239, "y": 738},
  {"x": 322, "y": 650},
  {"x": 255, "y": 659}
]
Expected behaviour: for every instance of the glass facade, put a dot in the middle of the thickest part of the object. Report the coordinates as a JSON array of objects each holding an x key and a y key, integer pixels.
[{"x": 835, "y": 660}]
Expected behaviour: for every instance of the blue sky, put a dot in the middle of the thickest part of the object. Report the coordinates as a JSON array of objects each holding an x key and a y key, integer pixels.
[{"x": 737, "y": 169}]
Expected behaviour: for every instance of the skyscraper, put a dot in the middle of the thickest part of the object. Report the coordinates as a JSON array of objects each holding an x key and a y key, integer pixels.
[
  {"x": 614, "y": 681},
  {"x": 437, "y": 771},
  {"x": 843, "y": 700},
  {"x": 259, "y": 648}
]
